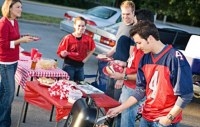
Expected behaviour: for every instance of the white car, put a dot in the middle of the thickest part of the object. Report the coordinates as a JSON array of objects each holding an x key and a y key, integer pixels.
[
  {"x": 100, "y": 16},
  {"x": 105, "y": 39}
]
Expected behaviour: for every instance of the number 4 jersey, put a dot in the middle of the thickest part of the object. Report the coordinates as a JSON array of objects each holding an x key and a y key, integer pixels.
[{"x": 165, "y": 76}]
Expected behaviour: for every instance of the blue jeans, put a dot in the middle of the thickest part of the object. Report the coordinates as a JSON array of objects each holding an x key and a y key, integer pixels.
[
  {"x": 127, "y": 116},
  {"x": 75, "y": 73},
  {"x": 102, "y": 78},
  {"x": 145, "y": 123},
  {"x": 7, "y": 90},
  {"x": 111, "y": 91}
]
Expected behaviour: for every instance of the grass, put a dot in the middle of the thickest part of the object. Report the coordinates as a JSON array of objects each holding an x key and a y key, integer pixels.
[{"x": 45, "y": 19}]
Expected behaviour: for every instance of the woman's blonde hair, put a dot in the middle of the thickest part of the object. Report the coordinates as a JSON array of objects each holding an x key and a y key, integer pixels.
[
  {"x": 127, "y": 4},
  {"x": 6, "y": 7}
]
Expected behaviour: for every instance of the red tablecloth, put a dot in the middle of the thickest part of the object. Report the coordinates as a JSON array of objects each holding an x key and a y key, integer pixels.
[
  {"x": 39, "y": 95},
  {"x": 24, "y": 73}
]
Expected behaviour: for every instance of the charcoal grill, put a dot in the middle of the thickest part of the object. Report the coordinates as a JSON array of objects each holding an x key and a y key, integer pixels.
[{"x": 84, "y": 113}]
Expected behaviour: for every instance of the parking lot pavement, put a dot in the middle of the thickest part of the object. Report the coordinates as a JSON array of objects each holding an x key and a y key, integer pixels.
[
  {"x": 36, "y": 117},
  {"x": 191, "y": 116}
]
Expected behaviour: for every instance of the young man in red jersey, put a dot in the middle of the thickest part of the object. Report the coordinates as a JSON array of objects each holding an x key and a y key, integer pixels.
[
  {"x": 164, "y": 77},
  {"x": 76, "y": 48}
]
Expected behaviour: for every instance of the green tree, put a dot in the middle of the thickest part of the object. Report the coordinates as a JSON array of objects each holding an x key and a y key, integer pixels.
[
  {"x": 180, "y": 11},
  {"x": 117, "y": 3},
  {"x": 185, "y": 11}
]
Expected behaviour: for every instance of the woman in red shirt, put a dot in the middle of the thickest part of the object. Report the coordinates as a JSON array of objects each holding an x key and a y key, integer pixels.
[
  {"x": 9, "y": 55},
  {"x": 76, "y": 49}
]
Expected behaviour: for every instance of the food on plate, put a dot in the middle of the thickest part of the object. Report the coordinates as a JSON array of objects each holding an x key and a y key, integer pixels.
[
  {"x": 114, "y": 68},
  {"x": 47, "y": 64},
  {"x": 46, "y": 81},
  {"x": 110, "y": 69},
  {"x": 35, "y": 38}
]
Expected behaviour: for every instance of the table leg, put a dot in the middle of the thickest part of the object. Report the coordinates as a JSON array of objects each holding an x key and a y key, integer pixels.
[
  {"x": 18, "y": 88},
  {"x": 22, "y": 112},
  {"x": 26, "y": 108},
  {"x": 51, "y": 115},
  {"x": 25, "y": 112}
]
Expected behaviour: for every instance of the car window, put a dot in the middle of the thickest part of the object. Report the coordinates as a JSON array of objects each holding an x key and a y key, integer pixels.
[
  {"x": 101, "y": 12},
  {"x": 177, "y": 38},
  {"x": 119, "y": 19}
]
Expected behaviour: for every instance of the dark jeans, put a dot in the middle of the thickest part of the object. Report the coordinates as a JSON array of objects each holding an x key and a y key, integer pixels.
[
  {"x": 7, "y": 91},
  {"x": 75, "y": 73},
  {"x": 102, "y": 78}
]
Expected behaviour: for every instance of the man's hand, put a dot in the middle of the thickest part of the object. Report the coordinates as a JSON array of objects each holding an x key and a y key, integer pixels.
[
  {"x": 26, "y": 39},
  {"x": 101, "y": 125},
  {"x": 64, "y": 53},
  {"x": 163, "y": 120},
  {"x": 119, "y": 84},
  {"x": 113, "y": 112}
]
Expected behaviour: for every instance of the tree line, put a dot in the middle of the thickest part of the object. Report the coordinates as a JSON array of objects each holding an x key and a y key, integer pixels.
[{"x": 178, "y": 11}]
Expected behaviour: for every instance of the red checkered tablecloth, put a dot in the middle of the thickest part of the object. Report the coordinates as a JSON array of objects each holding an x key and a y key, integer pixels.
[{"x": 24, "y": 73}]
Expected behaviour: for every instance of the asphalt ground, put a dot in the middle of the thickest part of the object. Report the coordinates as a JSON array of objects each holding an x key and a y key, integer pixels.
[{"x": 37, "y": 117}]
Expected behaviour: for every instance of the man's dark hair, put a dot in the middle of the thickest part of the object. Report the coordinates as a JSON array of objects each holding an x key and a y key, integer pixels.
[
  {"x": 144, "y": 29},
  {"x": 144, "y": 14}
]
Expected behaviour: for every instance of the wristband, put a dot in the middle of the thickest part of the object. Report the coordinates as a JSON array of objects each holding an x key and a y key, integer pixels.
[
  {"x": 170, "y": 117},
  {"x": 125, "y": 77}
]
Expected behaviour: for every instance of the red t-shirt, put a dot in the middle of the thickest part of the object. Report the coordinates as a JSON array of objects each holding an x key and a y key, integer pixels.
[
  {"x": 73, "y": 45},
  {"x": 8, "y": 33},
  {"x": 132, "y": 67}
]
